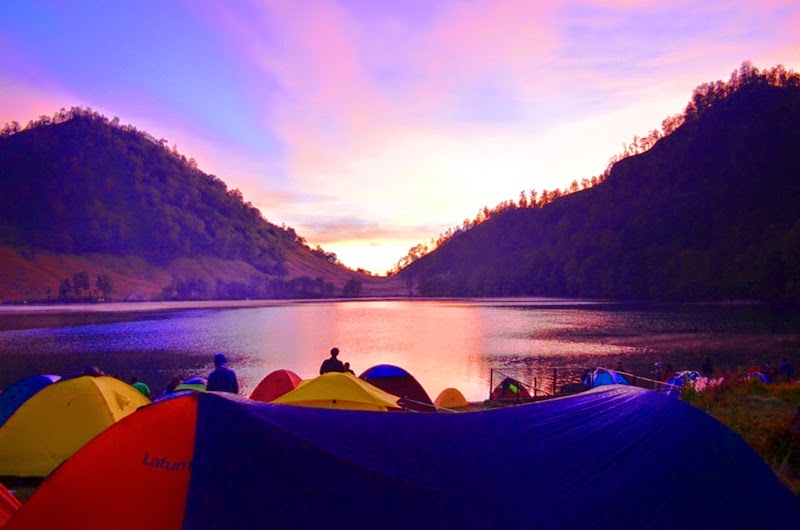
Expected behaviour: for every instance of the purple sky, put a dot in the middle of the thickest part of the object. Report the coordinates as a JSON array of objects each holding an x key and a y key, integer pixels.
[{"x": 370, "y": 126}]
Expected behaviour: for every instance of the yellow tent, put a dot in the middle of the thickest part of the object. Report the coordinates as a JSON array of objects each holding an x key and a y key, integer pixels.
[
  {"x": 336, "y": 390},
  {"x": 450, "y": 398},
  {"x": 59, "y": 419}
]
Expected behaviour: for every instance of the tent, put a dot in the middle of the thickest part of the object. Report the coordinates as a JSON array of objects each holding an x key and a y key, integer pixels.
[
  {"x": 337, "y": 390},
  {"x": 397, "y": 381},
  {"x": 274, "y": 385},
  {"x": 609, "y": 456},
  {"x": 194, "y": 383},
  {"x": 15, "y": 395},
  {"x": 676, "y": 383},
  {"x": 59, "y": 419},
  {"x": 450, "y": 398},
  {"x": 8, "y": 505},
  {"x": 602, "y": 377},
  {"x": 200, "y": 387},
  {"x": 510, "y": 389}
]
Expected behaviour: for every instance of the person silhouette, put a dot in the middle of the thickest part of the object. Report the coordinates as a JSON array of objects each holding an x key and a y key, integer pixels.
[
  {"x": 785, "y": 370},
  {"x": 170, "y": 387},
  {"x": 707, "y": 369},
  {"x": 222, "y": 379},
  {"x": 332, "y": 364}
]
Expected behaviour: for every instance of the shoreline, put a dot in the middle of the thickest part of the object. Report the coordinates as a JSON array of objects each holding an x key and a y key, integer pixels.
[{"x": 11, "y": 308}]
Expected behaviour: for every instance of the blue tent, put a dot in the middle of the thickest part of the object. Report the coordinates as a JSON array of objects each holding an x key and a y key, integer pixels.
[
  {"x": 399, "y": 382},
  {"x": 14, "y": 396},
  {"x": 676, "y": 383},
  {"x": 602, "y": 377},
  {"x": 606, "y": 458}
]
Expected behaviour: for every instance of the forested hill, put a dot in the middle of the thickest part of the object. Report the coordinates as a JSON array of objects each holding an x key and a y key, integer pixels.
[
  {"x": 79, "y": 192},
  {"x": 710, "y": 212}
]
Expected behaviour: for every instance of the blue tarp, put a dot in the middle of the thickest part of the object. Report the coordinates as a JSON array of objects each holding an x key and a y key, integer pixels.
[
  {"x": 614, "y": 457},
  {"x": 15, "y": 395}
]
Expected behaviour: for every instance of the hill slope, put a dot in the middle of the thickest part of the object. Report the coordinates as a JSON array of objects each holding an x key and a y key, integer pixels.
[
  {"x": 80, "y": 193},
  {"x": 711, "y": 211}
]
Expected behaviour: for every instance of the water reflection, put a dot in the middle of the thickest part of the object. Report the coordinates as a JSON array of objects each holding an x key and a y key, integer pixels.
[{"x": 442, "y": 343}]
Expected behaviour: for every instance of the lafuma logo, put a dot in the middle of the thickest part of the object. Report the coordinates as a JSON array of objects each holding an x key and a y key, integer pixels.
[{"x": 165, "y": 463}]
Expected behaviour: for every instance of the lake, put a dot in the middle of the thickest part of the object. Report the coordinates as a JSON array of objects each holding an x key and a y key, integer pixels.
[{"x": 443, "y": 343}]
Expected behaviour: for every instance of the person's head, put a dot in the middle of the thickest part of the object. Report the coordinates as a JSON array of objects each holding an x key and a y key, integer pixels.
[
  {"x": 346, "y": 366},
  {"x": 334, "y": 352},
  {"x": 93, "y": 371},
  {"x": 219, "y": 359}
]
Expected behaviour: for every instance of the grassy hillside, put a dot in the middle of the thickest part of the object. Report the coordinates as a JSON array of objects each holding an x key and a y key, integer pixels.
[
  {"x": 765, "y": 416},
  {"x": 34, "y": 276},
  {"x": 80, "y": 194}
]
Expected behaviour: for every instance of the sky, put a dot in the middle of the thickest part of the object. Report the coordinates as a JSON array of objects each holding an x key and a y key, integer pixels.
[{"x": 370, "y": 126}]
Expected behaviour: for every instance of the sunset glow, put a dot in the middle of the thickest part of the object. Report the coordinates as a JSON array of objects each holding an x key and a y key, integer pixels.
[{"x": 371, "y": 126}]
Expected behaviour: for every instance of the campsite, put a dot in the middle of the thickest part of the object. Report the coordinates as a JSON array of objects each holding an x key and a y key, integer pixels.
[
  {"x": 356, "y": 452},
  {"x": 378, "y": 265}
]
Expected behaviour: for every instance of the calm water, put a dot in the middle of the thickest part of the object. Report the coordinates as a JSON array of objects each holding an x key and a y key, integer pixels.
[{"x": 442, "y": 343}]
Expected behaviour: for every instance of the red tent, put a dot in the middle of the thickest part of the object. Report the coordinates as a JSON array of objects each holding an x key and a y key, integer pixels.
[
  {"x": 8, "y": 505},
  {"x": 275, "y": 385},
  {"x": 510, "y": 389},
  {"x": 151, "y": 458}
]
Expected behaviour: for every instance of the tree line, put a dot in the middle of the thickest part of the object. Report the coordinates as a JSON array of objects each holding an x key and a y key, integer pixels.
[
  {"x": 255, "y": 289},
  {"x": 79, "y": 288},
  {"x": 704, "y": 97},
  {"x": 710, "y": 211}
]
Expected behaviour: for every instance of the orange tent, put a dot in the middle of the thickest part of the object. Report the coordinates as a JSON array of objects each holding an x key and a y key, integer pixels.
[
  {"x": 450, "y": 398},
  {"x": 275, "y": 385}
]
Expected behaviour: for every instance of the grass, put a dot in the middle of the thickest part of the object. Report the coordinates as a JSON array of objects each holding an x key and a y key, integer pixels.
[{"x": 767, "y": 417}]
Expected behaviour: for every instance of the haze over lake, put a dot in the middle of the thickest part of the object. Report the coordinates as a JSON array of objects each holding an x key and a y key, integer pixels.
[{"x": 443, "y": 343}]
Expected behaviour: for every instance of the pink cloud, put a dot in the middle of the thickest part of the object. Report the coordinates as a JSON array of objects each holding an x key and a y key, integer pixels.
[
  {"x": 27, "y": 92},
  {"x": 490, "y": 36},
  {"x": 362, "y": 145}
]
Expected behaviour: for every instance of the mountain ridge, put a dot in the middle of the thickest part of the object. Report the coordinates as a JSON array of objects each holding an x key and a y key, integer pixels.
[
  {"x": 710, "y": 212},
  {"x": 80, "y": 193}
]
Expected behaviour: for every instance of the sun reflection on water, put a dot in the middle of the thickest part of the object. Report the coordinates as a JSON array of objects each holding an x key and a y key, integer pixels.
[{"x": 442, "y": 343}]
